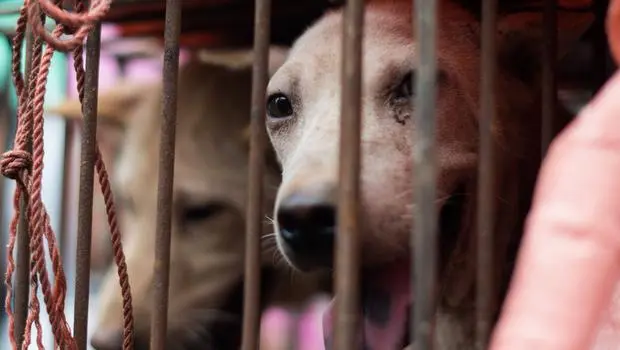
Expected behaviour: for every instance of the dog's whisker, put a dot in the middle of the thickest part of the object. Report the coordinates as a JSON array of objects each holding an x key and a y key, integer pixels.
[
  {"x": 268, "y": 254},
  {"x": 277, "y": 257},
  {"x": 269, "y": 236},
  {"x": 269, "y": 243},
  {"x": 266, "y": 249},
  {"x": 269, "y": 220}
]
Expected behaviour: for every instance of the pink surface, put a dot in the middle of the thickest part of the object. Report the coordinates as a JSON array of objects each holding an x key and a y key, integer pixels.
[
  {"x": 310, "y": 325},
  {"x": 278, "y": 326},
  {"x": 139, "y": 69},
  {"x": 569, "y": 263},
  {"x": 275, "y": 328}
]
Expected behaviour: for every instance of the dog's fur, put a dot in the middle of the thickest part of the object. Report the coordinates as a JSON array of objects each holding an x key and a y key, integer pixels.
[
  {"x": 209, "y": 205},
  {"x": 113, "y": 105},
  {"x": 307, "y": 142}
]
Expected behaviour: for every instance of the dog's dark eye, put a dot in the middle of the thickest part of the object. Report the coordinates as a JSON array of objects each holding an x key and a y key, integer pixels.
[
  {"x": 404, "y": 90},
  {"x": 279, "y": 106},
  {"x": 198, "y": 212}
]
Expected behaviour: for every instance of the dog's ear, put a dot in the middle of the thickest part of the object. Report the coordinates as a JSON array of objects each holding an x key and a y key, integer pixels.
[
  {"x": 114, "y": 105},
  {"x": 520, "y": 42},
  {"x": 115, "y": 108},
  {"x": 242, "y": 59}
]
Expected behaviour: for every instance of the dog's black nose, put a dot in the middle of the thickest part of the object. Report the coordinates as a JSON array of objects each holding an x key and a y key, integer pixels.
[{"x": 307, "y": 226}]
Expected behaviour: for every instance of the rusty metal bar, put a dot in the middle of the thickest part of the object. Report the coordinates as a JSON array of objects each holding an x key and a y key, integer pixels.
[
  {"x": 161, "y": 276},
  {"x": 66, "y": 188},
  {"x": 6, "y": 129},
  {"x": 22, "y": 269},
  {"x": 347, "y": 240},
  {"x": 5, "y": 126},
  {"x": 485, "y": 283},
  {"x": 260, "y": 78},
  {"x": 549, "y": 82},
  {"x": 85, "y": 199},
  {"x": 601, "y": 62},
  {"x": 424, "y": 237}
]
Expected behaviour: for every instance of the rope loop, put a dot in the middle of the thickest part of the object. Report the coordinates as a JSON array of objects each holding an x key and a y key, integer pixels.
[
  {"x": 26, "y": 168},
  {"x": 76, "y": 25}
]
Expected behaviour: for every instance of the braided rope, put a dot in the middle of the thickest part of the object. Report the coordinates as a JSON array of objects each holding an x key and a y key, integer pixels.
[{"x": 26, "y": 168}]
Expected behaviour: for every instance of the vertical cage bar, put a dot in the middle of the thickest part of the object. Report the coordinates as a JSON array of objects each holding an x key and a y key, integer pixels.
[
  {"x": 66, "y": 188},
  {"x": 5, "y": 132},
  {"x": 485, "y": 283},
  {"x": 159, "y": 321},
  {"x": 549, "y": 82},
  {"x": 601, "y": 60},
  {"x": 3, "y": 238},
  {"x": 22, "y": 269},
  {"x": 424, "y": 237},
  {"x": 260, "y": 78},
  {"x": 6, "y": 115},
  {"x": 347, "y": 239},
  {"x": 85, "y": 199}
]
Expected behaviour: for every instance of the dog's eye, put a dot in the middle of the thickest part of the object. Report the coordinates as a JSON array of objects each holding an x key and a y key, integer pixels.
[
  {"x": 404, "y": 90},
  {"x": 279, "y": 106},
  {"x": 198, "y": 212}
]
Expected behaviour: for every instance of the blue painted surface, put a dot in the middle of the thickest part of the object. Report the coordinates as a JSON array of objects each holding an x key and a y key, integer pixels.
[{"x": 7, "y": 21}]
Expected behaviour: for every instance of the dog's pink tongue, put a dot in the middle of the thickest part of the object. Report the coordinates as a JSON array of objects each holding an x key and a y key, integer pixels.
[{"x": 385, "y": 304}]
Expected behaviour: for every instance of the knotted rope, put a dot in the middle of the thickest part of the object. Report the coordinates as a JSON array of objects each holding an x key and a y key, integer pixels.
[{"x": 26, "y": 168}]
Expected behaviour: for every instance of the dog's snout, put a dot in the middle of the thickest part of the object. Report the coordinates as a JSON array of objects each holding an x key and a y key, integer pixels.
[
  {"x": 307, "y": 224},
  {"x": 107, "y": 339}
]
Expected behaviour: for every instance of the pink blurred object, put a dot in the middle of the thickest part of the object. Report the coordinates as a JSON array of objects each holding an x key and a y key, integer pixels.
[
  {"x": 278, "y": 327},
  {"x": 569, "y": 262},
  {"x": 565, "y": 293},
  {"x": 144, "y": 69},
  {"x": 310, "y": 325}
]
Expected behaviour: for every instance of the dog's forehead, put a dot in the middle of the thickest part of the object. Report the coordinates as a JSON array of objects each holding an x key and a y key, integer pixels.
[
  {"x": 213, "y": 111},
  {"x": 315, "y": 57}
]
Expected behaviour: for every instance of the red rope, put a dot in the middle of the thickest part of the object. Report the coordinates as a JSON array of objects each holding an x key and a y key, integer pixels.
[{"x": 27, "y": 169}]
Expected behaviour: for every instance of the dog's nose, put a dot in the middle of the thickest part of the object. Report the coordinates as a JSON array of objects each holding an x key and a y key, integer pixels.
[
  {"x": 107, "y": 339},
  {"x": 307, "y": 226}
]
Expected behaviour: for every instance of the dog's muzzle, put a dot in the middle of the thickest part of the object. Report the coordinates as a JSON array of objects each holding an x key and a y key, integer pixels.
[{"x": 307, "y": 228}]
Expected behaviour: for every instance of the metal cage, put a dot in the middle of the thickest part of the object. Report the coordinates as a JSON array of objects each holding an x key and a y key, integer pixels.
[{"x": 347, "y": 261}]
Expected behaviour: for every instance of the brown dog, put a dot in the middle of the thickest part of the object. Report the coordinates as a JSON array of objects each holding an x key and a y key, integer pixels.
[
  {"x": 303, "y": 123},
  {"x": 210, "y": 196}
]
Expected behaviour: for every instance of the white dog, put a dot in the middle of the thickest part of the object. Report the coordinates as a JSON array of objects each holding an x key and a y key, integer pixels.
[{"x": 303, "y": 108}]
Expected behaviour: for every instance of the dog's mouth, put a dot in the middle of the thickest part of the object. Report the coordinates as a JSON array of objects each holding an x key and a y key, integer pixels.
[{"x": 387, "y": 297}]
